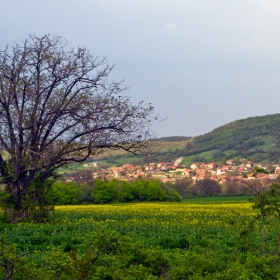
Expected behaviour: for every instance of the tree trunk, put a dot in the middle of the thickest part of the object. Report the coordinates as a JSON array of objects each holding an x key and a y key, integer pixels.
[{"x": 19, "y": 208}]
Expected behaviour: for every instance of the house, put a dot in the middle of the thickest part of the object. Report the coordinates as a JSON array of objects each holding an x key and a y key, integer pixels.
[
  {"x": 237, "y": 178},
  {"x": 212, "y": 165},
  {"x": 214, "y": 178},
  {"x": 203, "y": 166},
  {"x": 272, "y": 176},
  {"x": 213, "y": 172},
  {"x": 221, "y": 171},
  {"x": 117, "y": 171},
  {"x": 201, "y": 172},
  {"x": 251, "y": 176},
  {"x": 140, "y": 174},
  {"x": 249, "y": 164},
  {"x": 164, "y": 166},
  {"x": 100, "y": 174},
  {"x": 261, "y": 176},
  {"x": 109, "y": 177},
  {"x": 150, "y": 168},
  {"x": 195, "y": 166},
  {"x": 161, "y": 164},
  {"x": 91, "y": 164},
  {"x": 222, "y": 177},
  {"x": 223, "y": 180},
  {"x": 242, "y": 169},
  {"x": 187, "y": 172},
  {"x": 127, "y": 166},
  {"x": 230, "y": 162},
  {"x": 277, "y": 170},
  {"x": 196, "y": 178},
  {"x": 130, "y": 167}
]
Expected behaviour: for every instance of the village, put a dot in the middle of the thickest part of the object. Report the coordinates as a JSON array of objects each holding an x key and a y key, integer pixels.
[{"x": 170, "y": 172}]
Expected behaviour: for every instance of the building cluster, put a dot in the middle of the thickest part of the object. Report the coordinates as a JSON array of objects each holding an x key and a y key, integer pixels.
[
  {"x": 238, "y": 170},
  {"x": 130, "y": 171},
  {"x": 168, "y": 172}
]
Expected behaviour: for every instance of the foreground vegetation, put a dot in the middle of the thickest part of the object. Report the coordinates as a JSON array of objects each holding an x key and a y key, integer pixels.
[{"x": 145, "y": 241}]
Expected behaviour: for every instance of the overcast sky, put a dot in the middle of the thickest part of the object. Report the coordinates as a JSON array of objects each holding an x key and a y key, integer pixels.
[{"x": 201, "y": 63}]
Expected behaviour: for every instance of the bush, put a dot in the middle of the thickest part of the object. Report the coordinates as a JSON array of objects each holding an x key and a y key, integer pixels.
[{"x": 64, "y": 193}]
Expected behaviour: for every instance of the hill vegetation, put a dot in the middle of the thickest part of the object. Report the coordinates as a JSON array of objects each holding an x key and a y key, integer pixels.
[
  {"x": 254, "y": 138},
  {"x": 257, "y": 137}
]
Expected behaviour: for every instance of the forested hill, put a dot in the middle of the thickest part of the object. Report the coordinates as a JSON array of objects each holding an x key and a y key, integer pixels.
[
  {"x": 260, "y": 134},
  {"x": 255, "y": 138}
]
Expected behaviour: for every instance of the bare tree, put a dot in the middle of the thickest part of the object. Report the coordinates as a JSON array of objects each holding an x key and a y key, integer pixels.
[{"x": 57, "y": 106}]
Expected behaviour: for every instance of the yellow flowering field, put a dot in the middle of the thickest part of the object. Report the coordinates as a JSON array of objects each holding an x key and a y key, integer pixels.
[
  {"x": 189, "y": 238},
  {"x": 163, "y": 215},
  {"x": 168, "y": 225}
]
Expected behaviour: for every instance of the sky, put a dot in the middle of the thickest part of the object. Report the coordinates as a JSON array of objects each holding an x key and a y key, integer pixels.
[{"x": 201, "y": 63}]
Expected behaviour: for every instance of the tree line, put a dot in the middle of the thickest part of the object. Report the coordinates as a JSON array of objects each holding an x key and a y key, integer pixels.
[
  {"x": 85, "y": 190},
  {"x": 208, "y": 187},
  {"x": 69, "y": 193}
]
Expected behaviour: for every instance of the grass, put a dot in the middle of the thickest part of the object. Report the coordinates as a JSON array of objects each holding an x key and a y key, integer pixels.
[
  {"x": 218, "y": 199},
  {"x": 206, "y": 156}
]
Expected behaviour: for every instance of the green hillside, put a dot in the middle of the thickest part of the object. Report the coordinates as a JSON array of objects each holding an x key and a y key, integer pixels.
[{"x": 255, "y": 137}]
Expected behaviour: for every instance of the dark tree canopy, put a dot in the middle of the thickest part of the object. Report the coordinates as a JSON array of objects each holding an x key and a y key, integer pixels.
[
  {"x": 206, "y": 187},
  {"x": 57, "y": 106}
]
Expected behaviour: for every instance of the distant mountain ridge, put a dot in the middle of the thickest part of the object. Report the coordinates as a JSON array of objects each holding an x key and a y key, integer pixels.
[{"x": 173, "y": 138}]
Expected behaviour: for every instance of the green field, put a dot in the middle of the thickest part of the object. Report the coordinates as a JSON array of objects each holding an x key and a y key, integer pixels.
[
  {"x": 218, "y": 199},
  {"x": 206, "y": 238}
]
